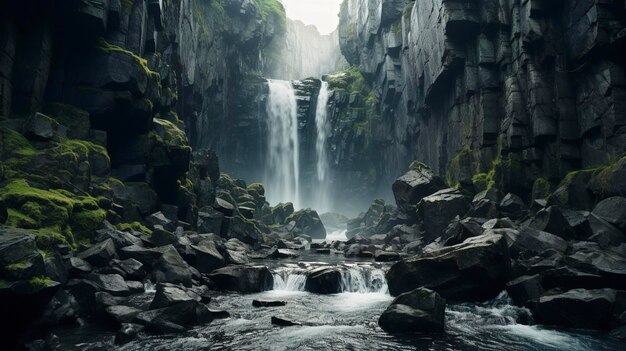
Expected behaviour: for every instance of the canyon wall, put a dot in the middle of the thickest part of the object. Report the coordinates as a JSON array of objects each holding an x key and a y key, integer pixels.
[{"x": 503, "y": 91}]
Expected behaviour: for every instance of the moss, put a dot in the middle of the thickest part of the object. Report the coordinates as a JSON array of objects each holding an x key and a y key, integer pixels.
[
  {"x": 127, "y": 4},
  {"x": 272, "y": 9},
  {"x": 41, "y": 282},
  {"x": 135, "y": 227},
  {"x": 170, "y": 134},
  {"x": 103, "y": 45},
  {"x": 17, "y": 266},
  {"x": 55, "y": 214}
]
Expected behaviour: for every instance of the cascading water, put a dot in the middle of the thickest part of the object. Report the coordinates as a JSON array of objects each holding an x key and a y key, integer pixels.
[
  {"x": 282, "y": 170},
  {"x": 362, "y": 279},
  {"x": 321, "y": 123}
]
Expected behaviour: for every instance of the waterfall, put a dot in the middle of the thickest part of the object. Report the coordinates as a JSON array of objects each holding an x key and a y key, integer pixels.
[
  {"x": 362, "y": 279},
  {"x": 282, "y": 168},
  {"x": 321, "y": 123}
]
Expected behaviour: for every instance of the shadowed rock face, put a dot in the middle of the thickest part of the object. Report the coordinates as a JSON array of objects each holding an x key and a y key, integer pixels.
[{"x": 539, "y": 83}]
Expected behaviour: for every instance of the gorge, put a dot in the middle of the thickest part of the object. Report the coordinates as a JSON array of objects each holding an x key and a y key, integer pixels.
[{"x": 215, "y": 174}]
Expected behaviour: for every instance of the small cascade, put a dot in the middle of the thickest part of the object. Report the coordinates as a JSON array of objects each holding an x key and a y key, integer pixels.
[
  {"x": 282, "y": 170},
  {"x": 321, "y": 122},
  {"x": 289, "y": 278},
  {"x": 364, "y": 279}
]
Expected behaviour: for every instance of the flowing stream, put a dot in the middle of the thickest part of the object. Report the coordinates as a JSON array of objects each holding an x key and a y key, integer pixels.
[
  {"x": 282, "y": 170},
  {"x": 346, "y": 321}
]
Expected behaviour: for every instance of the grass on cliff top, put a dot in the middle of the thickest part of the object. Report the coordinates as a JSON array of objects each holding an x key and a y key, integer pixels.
[{"x": 273, "y": 8}]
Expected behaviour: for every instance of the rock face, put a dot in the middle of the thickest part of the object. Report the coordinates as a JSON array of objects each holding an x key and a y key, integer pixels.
[
  {"x": 303, "y": 52},
  {"x": 468, "y": 89},
  {"x": 475, "y": 270},
  {"x": 415, "y": 185},
  {"x": 591, "y": 309},
  {"x": 417, "y": 311}
]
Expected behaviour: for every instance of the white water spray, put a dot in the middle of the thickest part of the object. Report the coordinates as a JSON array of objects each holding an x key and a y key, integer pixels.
[
  {"x": 321, "y": 123},
  {"x": 282, "y": 170}
]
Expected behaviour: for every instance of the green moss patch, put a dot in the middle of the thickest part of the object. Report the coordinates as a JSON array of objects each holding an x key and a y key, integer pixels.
[{"x": 134, "y": 227}]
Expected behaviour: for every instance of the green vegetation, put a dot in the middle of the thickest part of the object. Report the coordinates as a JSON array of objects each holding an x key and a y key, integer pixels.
[
  {"x": 135, "y": 227},
  {"x": 103, "y": 45},
  {"x": 272, "y": 8},
  {"x": 41, "y": 282}
]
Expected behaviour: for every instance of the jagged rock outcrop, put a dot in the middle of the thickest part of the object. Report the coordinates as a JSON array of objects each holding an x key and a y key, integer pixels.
[{"x": 511, "y": 92}]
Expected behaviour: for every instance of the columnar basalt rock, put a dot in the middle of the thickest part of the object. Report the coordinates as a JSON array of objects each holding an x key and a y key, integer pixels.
[{"x": 524, "y": 89}]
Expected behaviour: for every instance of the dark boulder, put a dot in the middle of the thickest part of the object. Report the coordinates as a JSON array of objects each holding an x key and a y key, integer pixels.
[
  {"x": 243, "y": 278},
  {"x": 552, "y": 220},
  {"x": 100, "y": 254},
  {"x": 475, "y": 270},
  {"x": 120, "y": 238},
  {"x": 512, "y": 205},
  {"x": 535, "y": 241},
  {"x": 171, "y": 268},
  {"x": 169, "y": 295},
  {"x": 577, "y": 308},
  {"x": 282, "y": 322},
  {"x": 161, "y": 237},
  {"x": 121, "y": 314},
  {"x": 612, "y": 210},
  {"x": 525, "y": 290},
  {"x": 207, "y": 257},
  {"x": 259, "y": 303},
  {"x": 176, "y": 318},
  {"x": 114, "y": 284},
  {"x": 77, "y": 267},
  {"x": 386, "y": 256},
  {"x": 159, "y": 218},
  {"x": 308, "y": 222},
  {"x": 417, "y": 311},
  {"x": 604, "y": 233},
  {"x": 132, "y": 268},
  {"x": 324, "y": 280},
  {"x": 436, "y": 211},
  {"x": 414, "y": 185}
]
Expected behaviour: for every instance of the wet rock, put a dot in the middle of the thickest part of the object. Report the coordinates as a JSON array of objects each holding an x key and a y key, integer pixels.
[
  {"x": 146, "y": 256},
  {"x": 308, "y": 222},
  {"x": 171, "y": 268},
  {"x": 243, "y": 278},
  {"x": 324, "y": 280},
  {"x": 603, "y": 233},
  {"x": 282, "y": 322},
  {"x": 174, "y": 319},
  {"x": 536, "y": 241},
  {"x": 127, "y": 333},
  {"x": 385, "y": 256},
  {"x": 224, "y": 207},
  {"x": 282, "y": 253},
  {"x": 135, "y": 287},
  {"x": 122, "y": 314},
  {"x": 414, "y": 185},
  {"x": 131, "y": 267},
  {"x": 169, "y": 295},
  {"x": 460, "y": 230},
  {"x": 525, "y": 290},
  {"x": 577, "y": 308},
  {"x": 162, "y": 237},
  {"x": 78, "y": 266},
  {"x": 417, "y": 311},
  {"x": 99, "y": 254},
  {"x": 512, "y": 205},
  {"x": 120, "y": 239},
  {"x": 323, "y": 251},
  {"x": 436, "y": 211},
  {"x": 612, "y": 210},
  {"x": 260, "y": 303},
  {"x": 475, "y": 270},
  {"x": 114, "y": 284},
  {"x": 158, "y": 218},
  {"x": 207, "y": 257},
  {"x": 552, "y": 220}
]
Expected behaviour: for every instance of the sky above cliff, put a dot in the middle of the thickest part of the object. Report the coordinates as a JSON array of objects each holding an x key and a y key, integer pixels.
[{"x": 321, "y": 13}]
